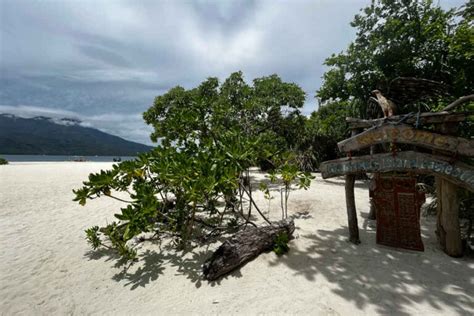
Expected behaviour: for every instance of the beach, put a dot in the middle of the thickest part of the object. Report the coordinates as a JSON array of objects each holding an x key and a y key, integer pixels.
[{"x": 47, "y": 267}]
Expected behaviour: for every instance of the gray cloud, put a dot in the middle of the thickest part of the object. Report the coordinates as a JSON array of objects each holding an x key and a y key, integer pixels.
[{"x": 105, "y": 57}]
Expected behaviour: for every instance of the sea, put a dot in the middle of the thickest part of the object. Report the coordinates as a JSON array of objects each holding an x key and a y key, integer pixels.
[{"x": 38, "y": 158}]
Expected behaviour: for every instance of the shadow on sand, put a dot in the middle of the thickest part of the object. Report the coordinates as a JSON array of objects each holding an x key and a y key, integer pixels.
[
  {"x": 368, "y": 274},
  {"x": 152, "y": 264},
  {"x": 387, "y": 278}
]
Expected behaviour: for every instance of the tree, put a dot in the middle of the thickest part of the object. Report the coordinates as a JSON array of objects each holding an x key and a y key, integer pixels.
[
  {"x": 321, "y": 133},
  {"x": 209, "y": 138},
  {"x": 401, "y": 38}
]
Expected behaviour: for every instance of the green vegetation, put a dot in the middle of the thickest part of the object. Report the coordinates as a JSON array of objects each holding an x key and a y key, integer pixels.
[
  {"x": 402, "y": 39},
  {"x": 394, "y": 39},
  {"x": 281, "y": 244},
  {"x": 192, "y": 186},
  {"x": 3, "y": 161}
]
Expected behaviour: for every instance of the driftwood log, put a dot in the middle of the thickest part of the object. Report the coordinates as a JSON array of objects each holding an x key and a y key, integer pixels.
[{"x": 243, "y": 247}]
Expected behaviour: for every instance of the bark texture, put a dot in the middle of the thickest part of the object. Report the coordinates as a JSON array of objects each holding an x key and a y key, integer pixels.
[{"x": 243, "y": 247}]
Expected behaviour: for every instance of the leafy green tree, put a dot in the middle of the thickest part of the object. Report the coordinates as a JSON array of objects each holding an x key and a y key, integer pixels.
[
  {"x": 330, "y": 120},
  {"x": 401, "y": 38},
  {"x": 209, "y": 138},
  {"x": 321, "y": 133}
]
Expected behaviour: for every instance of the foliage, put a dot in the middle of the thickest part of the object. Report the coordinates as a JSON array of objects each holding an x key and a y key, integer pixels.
[
  {"x": 324, "y": 129},
  {"x": 280, "y": 246},
  {"x": 3, "y": 161},
  {"x": 192, "y": 185},
  {"x": 287, "y": 174},
  {"x": 92, "y": 236},
  {"x": 401, "y": 39}
]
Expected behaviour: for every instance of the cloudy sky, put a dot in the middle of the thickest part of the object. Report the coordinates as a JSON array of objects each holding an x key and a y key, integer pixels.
[{"x": 103, "y": 61}]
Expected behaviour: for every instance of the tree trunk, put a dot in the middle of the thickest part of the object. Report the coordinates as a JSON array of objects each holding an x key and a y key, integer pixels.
[{"x": 243, "y": 247}]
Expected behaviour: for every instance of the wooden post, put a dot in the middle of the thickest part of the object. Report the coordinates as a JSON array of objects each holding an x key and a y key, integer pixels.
[
  {"x": 350, "y": 205},
  {"x": 351, "y": 210},
  {"x": 372, "y": 213},
  {"x": 439, "y": 210},
  {"x": 448, "y": 230}
]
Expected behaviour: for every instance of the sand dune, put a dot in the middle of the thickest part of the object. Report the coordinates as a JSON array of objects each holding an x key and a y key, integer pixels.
[{"x": 46, "y": 266}]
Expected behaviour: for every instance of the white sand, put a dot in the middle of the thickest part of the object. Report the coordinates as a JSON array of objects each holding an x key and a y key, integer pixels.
[{"x": 46, "y": 266}]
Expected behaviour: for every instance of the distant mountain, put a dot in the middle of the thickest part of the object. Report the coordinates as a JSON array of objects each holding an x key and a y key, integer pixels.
[{"x": 46, "y": 136}]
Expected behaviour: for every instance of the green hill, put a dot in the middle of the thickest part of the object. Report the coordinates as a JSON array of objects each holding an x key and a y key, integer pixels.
[{"x": 45, "y": 136}]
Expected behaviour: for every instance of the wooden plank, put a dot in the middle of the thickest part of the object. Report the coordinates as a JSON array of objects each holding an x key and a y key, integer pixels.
[
  {"x": 408, "y": 161},
  {"x": 406, "y": 134},
  {"x": 424, "y": 118}
]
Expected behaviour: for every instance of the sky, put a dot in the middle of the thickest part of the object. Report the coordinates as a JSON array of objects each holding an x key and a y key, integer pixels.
[{"x": 104, "y": 61}]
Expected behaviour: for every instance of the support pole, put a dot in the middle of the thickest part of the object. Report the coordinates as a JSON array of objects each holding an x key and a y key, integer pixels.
[
  {"x": 350, "y": 205},
  {"x": 351, "y": 210},
  {"x": 372, "y": 213},
  {"x": 448, "y": 229},
  {"x": 447, "y": 226}
]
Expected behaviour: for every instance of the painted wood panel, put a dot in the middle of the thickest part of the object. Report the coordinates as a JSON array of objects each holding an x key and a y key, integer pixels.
[{"x": 408, "y": 161}]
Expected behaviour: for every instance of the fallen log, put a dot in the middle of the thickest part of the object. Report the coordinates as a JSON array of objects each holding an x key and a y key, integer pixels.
[{"x": 243, "y": 247}]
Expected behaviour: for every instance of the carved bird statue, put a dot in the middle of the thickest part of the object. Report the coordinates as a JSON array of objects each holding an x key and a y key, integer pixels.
[
  {"x": 388, "y": 107},
  {"x": 408, "y": 93}
]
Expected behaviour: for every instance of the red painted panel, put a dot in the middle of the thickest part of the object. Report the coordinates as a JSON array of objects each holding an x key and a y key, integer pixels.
[{"x": 397, "y": 204}]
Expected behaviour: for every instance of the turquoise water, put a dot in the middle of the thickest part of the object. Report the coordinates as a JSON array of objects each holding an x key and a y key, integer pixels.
[{"x": 32, "y": 158}]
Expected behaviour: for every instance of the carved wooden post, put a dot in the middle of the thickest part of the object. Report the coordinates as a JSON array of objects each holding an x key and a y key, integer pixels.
[{"x": 351, "y": 207}]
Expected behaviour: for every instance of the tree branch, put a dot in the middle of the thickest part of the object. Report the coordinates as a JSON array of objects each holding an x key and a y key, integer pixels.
[
  {"x": 459, "y": 101},
  {"x": 118, "y": 199},
  {"x": 256, "y": 207}
]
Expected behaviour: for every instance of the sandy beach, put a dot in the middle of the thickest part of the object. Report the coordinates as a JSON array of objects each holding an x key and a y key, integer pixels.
[{"x": 47, "y": 267}]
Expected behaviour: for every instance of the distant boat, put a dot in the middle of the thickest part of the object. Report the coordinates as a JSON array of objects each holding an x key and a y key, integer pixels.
[{"x": 119, "y": 159}]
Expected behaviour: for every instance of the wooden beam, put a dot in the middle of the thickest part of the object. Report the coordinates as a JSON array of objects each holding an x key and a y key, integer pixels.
[
  {"x": 406, "y": 134},
  {"x": 424, "y": 118},
  {"x": 408, "y": 161}
]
